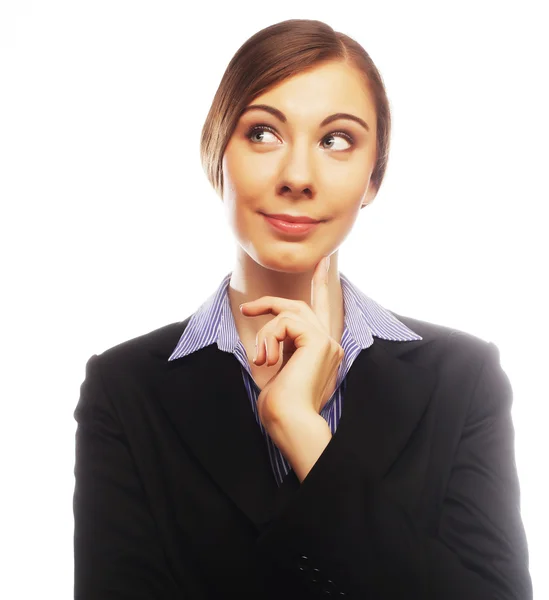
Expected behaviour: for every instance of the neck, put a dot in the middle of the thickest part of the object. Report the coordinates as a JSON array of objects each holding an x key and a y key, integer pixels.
[{"x": 250, "y": 281}]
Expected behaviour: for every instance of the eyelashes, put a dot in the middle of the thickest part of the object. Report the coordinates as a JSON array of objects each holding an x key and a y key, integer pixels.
[{"x": 260, "y": 127}]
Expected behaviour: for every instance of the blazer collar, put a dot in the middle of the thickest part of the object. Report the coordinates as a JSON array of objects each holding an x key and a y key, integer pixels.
[{"x": 204, "y": 396}]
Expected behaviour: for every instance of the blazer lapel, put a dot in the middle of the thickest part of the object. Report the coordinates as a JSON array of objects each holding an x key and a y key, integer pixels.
[
  {"x": 385, "y": 399},
  {"x": 204, "y": 396}
]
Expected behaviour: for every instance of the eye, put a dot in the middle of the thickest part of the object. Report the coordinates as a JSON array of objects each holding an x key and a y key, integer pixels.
[
  {"x": 254, "y": 130},
  {"x": 258, "y": 129},
  {"x": 342, "y": 134}
]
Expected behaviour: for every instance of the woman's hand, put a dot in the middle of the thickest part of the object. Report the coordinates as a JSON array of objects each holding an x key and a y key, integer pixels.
[{"x": 311, "y": 357}]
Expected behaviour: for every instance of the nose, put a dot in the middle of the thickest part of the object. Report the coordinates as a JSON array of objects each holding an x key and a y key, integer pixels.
[{"x": 297, "y": 170}]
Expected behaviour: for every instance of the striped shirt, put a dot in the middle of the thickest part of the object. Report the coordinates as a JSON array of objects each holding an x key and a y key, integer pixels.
[{"x": 364, "y": 318}]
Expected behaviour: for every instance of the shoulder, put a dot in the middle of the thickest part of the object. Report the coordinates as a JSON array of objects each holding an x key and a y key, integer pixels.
[
  {"x": 140, "y": 354},
  {"x": 448, "y": 350},
  {"x": 467, "y": 368},
  {"x": 462, "y": 361},
  {"x": 438, "y": 334}
]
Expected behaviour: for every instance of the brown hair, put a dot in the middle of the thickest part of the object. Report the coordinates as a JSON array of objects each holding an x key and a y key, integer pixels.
[{"x": 271, "y": 56}]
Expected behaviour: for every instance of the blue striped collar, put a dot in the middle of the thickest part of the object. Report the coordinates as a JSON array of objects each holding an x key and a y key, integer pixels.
[{"x": 364, "y": 318}]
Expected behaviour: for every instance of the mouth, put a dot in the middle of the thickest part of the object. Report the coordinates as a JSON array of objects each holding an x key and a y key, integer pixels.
[
  {"x": 289, "y": 227},
  {"x": 293, "y": 218}
]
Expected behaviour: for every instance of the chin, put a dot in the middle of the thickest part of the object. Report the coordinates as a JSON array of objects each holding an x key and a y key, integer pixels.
[{"x": 287, "y": 263}]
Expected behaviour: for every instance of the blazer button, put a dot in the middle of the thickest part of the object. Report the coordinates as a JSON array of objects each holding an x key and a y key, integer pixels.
[
  {"x": 315, "y": 575},
  {"x": 303, "y": 563},
  {"x": 329, "y": 588}
]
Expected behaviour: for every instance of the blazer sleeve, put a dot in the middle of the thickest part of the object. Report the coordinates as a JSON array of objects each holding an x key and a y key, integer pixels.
[
  {"x": 335, "y": 536},
  {"x": 117, "y": 553}
]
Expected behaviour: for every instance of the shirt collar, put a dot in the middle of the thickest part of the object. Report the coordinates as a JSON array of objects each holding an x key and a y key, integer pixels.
[{"x": 364, "y": 318}]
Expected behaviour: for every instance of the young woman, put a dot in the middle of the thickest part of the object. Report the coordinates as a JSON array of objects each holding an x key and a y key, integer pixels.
[{"x": 293, "y": 438}]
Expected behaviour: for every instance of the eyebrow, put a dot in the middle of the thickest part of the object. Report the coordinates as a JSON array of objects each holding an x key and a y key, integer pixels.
[{"x": 282, "y": 117}]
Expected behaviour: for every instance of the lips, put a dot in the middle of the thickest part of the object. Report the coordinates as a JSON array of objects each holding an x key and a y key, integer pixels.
[
  {"x": 290, "y": 228},
  {"x": 292, "y": 219}
]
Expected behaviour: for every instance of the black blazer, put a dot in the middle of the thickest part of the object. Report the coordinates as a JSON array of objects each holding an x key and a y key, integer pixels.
[{"x": 415, "y": 496}]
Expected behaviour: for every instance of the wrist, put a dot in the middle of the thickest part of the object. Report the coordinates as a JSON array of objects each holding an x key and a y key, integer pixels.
[{"x": 302, "y": 437}]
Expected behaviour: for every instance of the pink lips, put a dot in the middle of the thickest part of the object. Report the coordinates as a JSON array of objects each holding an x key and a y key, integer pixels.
[{"x": 291, "y": 228}]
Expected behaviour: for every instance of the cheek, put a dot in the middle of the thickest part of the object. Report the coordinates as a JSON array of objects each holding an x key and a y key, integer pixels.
[
  {"x": 345, "y": 197},
  {"x": 343, "y": 180},
  {"x": 246, "y": 173},
  {"x": 238, "y": 200}
]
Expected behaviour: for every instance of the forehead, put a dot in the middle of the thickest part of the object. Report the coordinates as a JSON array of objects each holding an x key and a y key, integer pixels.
[{"x": 324, "y": 89}]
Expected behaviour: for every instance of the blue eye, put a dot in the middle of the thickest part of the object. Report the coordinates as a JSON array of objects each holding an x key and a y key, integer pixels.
[{"x": 261, "y": 128}]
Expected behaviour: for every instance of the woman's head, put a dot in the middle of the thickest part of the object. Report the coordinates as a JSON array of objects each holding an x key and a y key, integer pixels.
[{"x": 295, "y": 163}]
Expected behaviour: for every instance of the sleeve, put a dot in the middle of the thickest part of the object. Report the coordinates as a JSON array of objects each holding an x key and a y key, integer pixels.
[
  {"x": 117, "y": 553},
  {"x": 346, "y": 541}
]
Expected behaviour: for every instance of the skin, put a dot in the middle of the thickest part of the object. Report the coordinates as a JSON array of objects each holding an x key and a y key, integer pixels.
[
  {"x": 300, "y": 168},
  {"x": 289, "y": 405}
]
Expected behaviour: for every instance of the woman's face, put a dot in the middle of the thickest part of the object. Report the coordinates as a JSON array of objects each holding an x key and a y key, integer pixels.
[{"x": 294, "y": 165}]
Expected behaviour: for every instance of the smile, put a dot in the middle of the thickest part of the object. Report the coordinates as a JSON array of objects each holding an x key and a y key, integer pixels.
[{"x": 290, "y": 228}]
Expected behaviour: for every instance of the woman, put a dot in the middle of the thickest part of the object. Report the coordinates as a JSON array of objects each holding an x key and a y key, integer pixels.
[{"x": 292, "y": 438}]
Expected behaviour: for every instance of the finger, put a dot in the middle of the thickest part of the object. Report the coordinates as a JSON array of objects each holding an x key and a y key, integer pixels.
[
  {"x": 319, "y": 293},
  {"x": 272, "y": 338},
  {"x": 268, "y": 304},
  {"x": 279, "y": 338},
  {"x": 292, "y": 332},
  {"x": 273, "y": 347},
  {"x": 260, "y": 349}
]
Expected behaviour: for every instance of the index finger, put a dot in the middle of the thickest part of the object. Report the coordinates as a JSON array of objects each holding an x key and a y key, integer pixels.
[{"x": 319, "y": 293}]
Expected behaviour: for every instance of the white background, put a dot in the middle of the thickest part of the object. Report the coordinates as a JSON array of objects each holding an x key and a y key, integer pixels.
[{"x": 109, "y": 228}]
